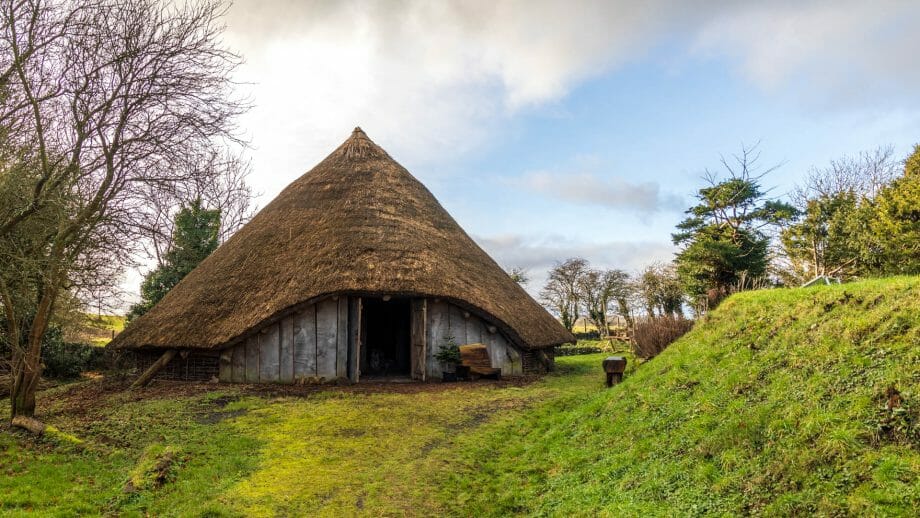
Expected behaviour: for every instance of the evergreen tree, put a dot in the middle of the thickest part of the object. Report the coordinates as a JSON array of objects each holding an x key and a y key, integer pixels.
[
  {"x": 194, "y": 238},
  {"x": 894, "y": 222},
  {"x": 826, "y": 241},
  {"x": 723, "y": 237}
]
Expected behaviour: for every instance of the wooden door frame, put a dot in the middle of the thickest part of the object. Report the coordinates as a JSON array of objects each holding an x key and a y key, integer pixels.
[
  {"x": 418, "y": 339},
  {"x": 355, "y": 327}
]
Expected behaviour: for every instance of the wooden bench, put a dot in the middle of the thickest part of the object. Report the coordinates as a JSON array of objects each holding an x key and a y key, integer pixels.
[{"x": 475, "y": 358}]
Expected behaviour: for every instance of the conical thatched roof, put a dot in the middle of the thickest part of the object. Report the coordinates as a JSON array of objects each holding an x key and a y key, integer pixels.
[{"x": 358, "y": 223}]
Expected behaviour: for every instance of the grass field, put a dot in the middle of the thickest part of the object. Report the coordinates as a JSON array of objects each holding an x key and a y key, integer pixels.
[
  {"x": 95, "y": 329},
  {"x": 249, "y": 451},
  {"x": 774, "y": 405}
]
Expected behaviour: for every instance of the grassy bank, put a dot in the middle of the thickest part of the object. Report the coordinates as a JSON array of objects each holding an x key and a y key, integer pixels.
[{"x": 774, "y": 405}]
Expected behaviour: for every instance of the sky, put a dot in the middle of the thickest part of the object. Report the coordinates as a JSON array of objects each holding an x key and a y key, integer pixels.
[{"x": 558, "y": 129}]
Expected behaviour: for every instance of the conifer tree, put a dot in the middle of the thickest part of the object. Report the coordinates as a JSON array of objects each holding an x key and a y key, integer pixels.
[{"x": 195, "y": 237}]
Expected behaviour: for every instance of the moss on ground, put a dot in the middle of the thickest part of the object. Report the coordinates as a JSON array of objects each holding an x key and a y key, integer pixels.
[
  {"x": 777, "y": 404},
  {"x": 237, "y": 451}
]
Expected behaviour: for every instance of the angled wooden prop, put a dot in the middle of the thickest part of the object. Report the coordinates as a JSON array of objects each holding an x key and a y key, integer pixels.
[{"x": 148, "y": 374}]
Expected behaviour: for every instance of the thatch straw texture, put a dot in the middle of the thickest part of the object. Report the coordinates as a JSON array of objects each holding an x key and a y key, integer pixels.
[{"x": 358, "y": 223}]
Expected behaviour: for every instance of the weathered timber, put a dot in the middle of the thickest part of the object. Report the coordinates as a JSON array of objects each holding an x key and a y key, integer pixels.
[
  {"x": 287, "y": 350},
  {"x": 473, "y": 333},
  {"x": 252, "y": 359},
  {"x": 341, "y": 339},
  {"x": 225, "y": 365},
  {"x": 354, "y": 338},
  {"x": 457, "y": 324},
  {"x": 327, "y": 325},
  {"x": 28, "y": 423},
  {"x": 437, "y": 332},
  {"x": 419, "y": 339},
  {"x": 305, "y": 343},
  {"x": 269, "y": 357},
  {"x": 239, "y": 363}
]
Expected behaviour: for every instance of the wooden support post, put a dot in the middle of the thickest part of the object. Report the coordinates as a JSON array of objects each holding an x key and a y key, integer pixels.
[
  {"x": 418, "y": 339},
  {"x": 148, "y": 375}
]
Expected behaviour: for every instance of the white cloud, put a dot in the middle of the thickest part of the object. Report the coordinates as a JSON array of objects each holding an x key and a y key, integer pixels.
[
  {"x": 539, "y": 254},
  {"x": 840, "y": 53},
  {"x": 611, "y": 192},
  {"x": 430, "y": 81},
  {"x": 433, "y": 81}
]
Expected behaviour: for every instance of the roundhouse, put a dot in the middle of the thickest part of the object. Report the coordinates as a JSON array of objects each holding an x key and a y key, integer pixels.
[{"x": 354, "y": 271}]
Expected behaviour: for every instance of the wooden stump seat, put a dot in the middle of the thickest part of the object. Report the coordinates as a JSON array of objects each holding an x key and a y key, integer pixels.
[{"x": 476, "y": 357}]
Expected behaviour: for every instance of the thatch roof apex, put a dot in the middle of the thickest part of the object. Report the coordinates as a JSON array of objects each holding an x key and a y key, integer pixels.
[
  {"x": 357, "y": 223},
  {"x": 358, "y": 146}
]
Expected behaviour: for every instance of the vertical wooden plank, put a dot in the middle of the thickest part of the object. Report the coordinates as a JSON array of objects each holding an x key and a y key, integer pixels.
[
  {"x": 473, "y": 329},
  {"x": 514, "y": 357},
  {"x": 354, "y": 338},
  {"x": 341, "y": 339},
  {"x": 327, "y": 313},
  {"x": 252, "y": 359},
  {"x": 225, "y": 367},
  {"x": 437, "y": 332},
  {"x": 503, "y": 355},
  {"x": 286, "y": 350},
  {"x": 419, "y": 340},
  {"x": 457, "y": 325},
  {"x": 498, "y": 354},
  {"x": 239, "y": 362},
  {"x": 305, "y": 343},
  {"x": 269, "y": 365}
]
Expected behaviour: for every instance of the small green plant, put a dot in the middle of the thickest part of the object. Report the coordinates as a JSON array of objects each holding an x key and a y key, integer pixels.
[
  {"x": 894, "y": 420},
  {"x": 449, "y": 354}
]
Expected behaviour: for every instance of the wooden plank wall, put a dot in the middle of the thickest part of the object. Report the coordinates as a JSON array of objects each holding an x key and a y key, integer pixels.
[
  {"x": 438, "y": 332},
  {"x": 287, "y": 350},
  {"x": 312, "y": 343},
  {"x": 269, "y": 357},
  {"x": 305, "y": 343},
  {"x": 341, "y": 339},
  {"x": 447, "y": 320},
  {"x": 327, "y": 325}
]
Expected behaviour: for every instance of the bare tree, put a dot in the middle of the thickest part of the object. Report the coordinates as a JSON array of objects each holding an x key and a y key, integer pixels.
[
  {"x": 106, "y": 104},
  {"x": 661, "y": 292},
  {"x": 561, "y": 293},
  {"x": 593, "y": 296},
  {"x": 622, "y": 294},
  {"x": 217, "y": 181},
  {"x": 863, "y": 175},
  {"x": 519, "y": 275}
]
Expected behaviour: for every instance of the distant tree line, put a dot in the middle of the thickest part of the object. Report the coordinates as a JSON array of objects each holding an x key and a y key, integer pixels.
[
  {"x": 857, "y": 217},
  {"x": 575, "y": 290}
]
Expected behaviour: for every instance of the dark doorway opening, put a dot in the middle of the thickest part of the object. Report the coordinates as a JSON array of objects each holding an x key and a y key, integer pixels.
[{"x": 386, "y": 338}]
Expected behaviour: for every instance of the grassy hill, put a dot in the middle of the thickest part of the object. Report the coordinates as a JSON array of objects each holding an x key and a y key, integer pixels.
[
  {"x": 775, "y": 404},
  {"x": 96, "y": 329}
]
